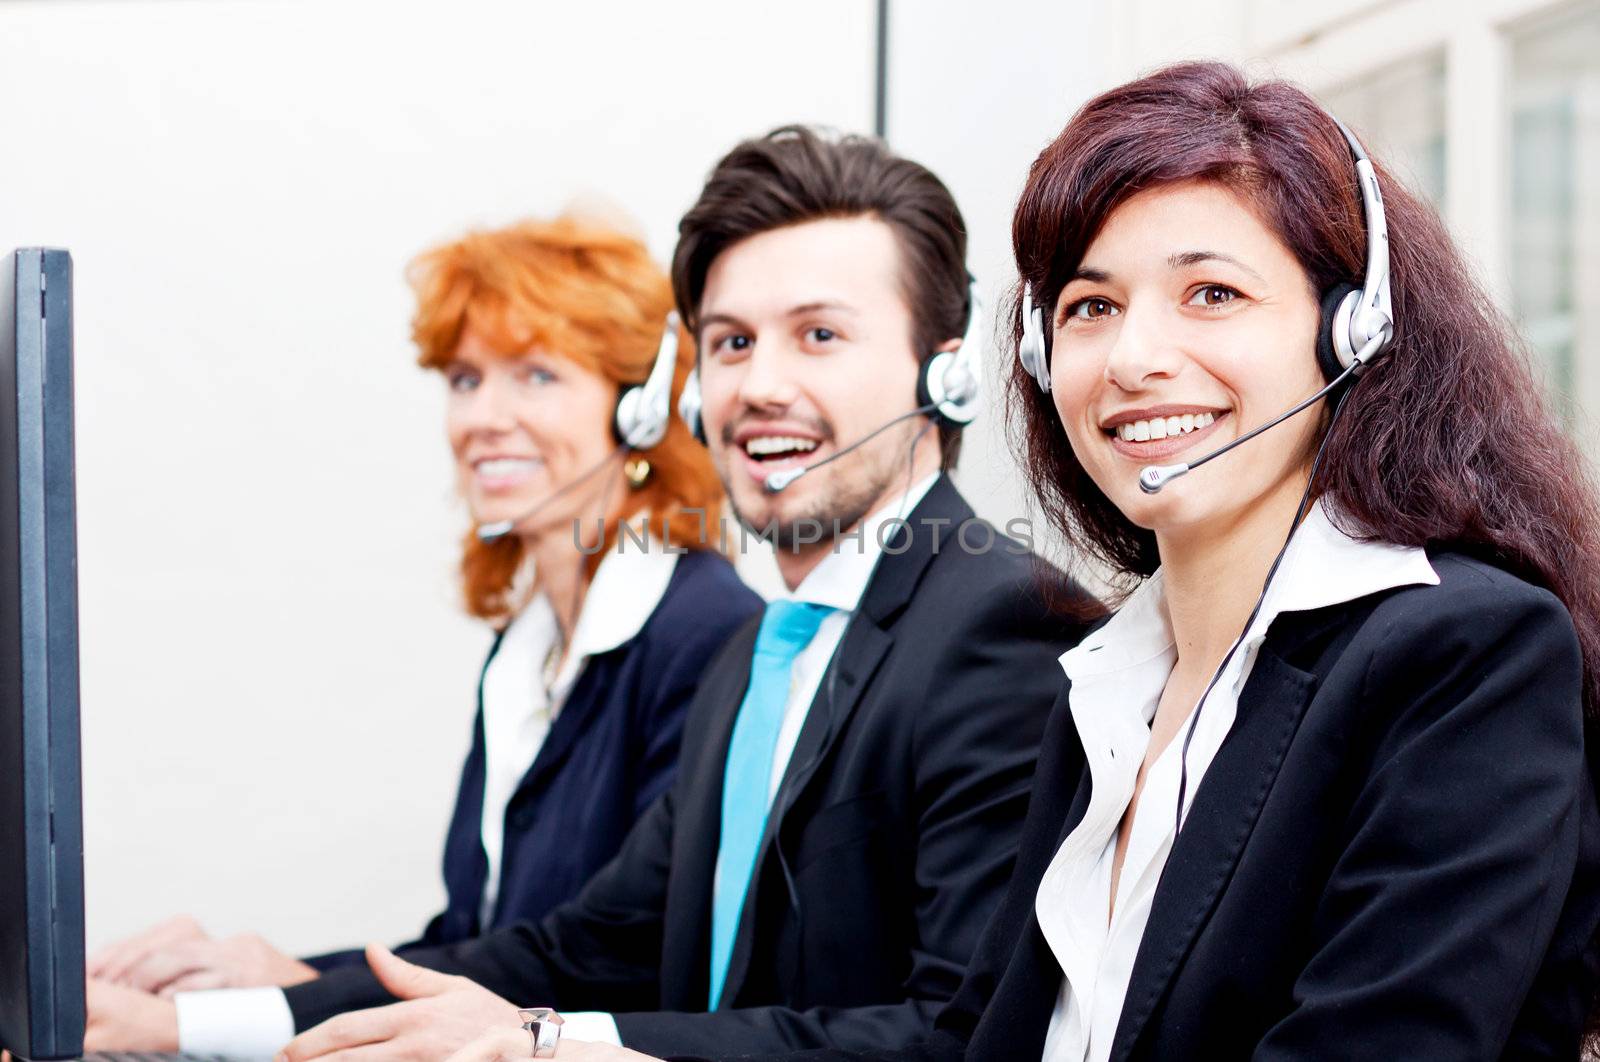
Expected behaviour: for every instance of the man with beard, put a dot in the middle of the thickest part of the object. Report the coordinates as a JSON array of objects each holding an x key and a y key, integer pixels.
[{"x": 855, "y": 766}]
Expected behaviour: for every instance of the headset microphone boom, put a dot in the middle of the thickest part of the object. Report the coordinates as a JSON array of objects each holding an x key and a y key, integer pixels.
[
  {"x": 948, "y": 387},
  {"x": 639, "y": 422},
  {"x": 1357, "y": 325}
]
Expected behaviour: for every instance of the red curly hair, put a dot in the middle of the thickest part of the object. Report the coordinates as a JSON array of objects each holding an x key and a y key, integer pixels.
[{"x": 593, "y": 295}]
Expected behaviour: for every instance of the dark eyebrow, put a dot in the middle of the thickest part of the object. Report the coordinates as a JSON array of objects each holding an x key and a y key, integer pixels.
[
  {"x": 720, "y": 318},
  {"x": 1189, "y": 258},
  {"x": 794, "y": 311},
  {"x": 1088, "y": 273},
  {"x": 813, "y": 307}
]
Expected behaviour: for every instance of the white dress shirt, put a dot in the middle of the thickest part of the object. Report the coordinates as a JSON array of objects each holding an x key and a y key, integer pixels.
[
  {"x": 517, "y": 713},
  {"x": 838, "y": 581},
  {"x": 1117, "y": 676}
]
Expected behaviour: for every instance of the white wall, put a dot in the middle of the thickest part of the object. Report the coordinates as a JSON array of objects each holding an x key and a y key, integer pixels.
[
  {"x": 975, "y": 93},
  {"x": 277, "y": 684}
]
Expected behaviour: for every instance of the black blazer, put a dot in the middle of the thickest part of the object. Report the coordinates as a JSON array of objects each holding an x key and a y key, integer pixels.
[
  {"x": 1394, "y": 854},
  {"x": 611, "y": 751},
  {"x": 890, "y": 842}
]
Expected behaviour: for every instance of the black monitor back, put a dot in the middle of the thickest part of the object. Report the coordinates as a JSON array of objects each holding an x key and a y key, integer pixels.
[{"x": 41, "y": 825}]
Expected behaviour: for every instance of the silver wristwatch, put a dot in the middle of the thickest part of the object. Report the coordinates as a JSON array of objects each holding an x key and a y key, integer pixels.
[{"x": 544, "y": 1029}]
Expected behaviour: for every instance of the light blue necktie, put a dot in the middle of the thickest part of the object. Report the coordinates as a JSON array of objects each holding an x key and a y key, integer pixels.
[{"x": 786, "y": 629}]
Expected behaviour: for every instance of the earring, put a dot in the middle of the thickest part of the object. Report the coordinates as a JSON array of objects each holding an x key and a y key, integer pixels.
[{"x": 637, "y": 470}]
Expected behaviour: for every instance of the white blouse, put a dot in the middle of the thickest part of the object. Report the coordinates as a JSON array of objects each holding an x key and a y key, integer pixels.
[
  {"x": 1117, "y": 676},
  {"x": 518, "y": 709}
]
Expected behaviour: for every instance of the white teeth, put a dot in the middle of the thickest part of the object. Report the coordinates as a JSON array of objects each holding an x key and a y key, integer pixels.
[
  {"x": 763, "y": 445},
  {"x": 1163, "y": 427},
  {"x": 506, "y": 466}
]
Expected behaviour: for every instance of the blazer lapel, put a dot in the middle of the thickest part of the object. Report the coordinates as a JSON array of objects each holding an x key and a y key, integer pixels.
[
  {"x": 864, "y": 651},
  {"x": 697, "y": 830},
  {"x": 1219, "y": 823},
  {"x": 851, "y": 671},
  {"x": 569, "y": 723},
  {"x": 867, "y": 640}
]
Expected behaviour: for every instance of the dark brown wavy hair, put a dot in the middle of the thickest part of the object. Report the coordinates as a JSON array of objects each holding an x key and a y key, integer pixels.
[
  {"x": 1447, "y": 442},
  {"x": 796, "y": 174}
]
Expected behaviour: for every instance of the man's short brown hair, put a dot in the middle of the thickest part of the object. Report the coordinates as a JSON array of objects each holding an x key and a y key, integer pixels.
[{"x": 796, "y": 174}]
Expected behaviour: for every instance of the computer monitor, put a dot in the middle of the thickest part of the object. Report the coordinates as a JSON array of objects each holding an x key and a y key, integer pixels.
[{"x": 41, "y": 819}]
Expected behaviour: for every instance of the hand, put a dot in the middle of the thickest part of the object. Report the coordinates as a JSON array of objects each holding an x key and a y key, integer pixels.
[
  {"x": 115, "y": 961},
  {"x": 244, "y": 961},
  {"x": 504, "y": 1045},
  {"x": 583, "y": 1051},
  {"x": 438, "y": 1014},
  {"x": 125, "y": 1019}
]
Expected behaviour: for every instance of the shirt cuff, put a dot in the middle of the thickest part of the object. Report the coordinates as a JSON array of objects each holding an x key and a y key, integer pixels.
[
  {"x": 235, "y": 1022},
  {"x": 595, "y": 1026}
]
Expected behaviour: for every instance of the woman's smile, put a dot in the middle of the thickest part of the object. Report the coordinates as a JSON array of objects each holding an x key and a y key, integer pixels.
[
  {"x": 495, "y": 475},
  {"x": 1149, "y": 435}
]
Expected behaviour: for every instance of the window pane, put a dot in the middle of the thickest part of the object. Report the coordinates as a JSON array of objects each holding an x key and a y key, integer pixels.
[
  {"x": 1399, "y": 113},
  {"x": 1555, "y": 181}
]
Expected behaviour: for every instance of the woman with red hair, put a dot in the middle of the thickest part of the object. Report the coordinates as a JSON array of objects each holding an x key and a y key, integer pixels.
[
  {"x": 1320, "y": 788},
  {"x": 588, "y": 554}
]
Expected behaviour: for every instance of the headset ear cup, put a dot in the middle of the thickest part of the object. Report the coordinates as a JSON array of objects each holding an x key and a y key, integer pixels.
[
  {"x": 924, "y": 391},
  {"x": 1327, "y": 356},
  {"x": 952, "y": 411},
  {"x": 619, "y": 414},
  {"x": 689, "y": 403}
]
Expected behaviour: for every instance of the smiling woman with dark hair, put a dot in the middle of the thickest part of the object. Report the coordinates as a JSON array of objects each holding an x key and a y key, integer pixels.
[
  {"x": 1319, "y": 794},
  {"x": 1313, "y": 793},
  {"x": 1319, "y": 789}
]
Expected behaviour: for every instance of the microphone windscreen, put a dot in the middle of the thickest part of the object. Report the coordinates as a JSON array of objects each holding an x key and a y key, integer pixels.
[
  {"x": 1154, "y": 477},
  {"x": 498, "y": 529},
  {"x": 777, "y": 481}
]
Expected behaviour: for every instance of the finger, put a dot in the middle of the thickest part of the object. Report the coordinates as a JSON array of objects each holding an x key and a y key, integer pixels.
[
  {"x": 502, "y": 1045},
  {"x": 113, "y": 962},
  {"x": 365, "y": 1053},
  {"x": 404, "y": 979},
  {"x": 198, "y": 981},
  {"x": 351, "y": 1029},
  {"x": 114, "y": 959},
  {"x": 167, "y": 965},
  {"x": 95, "y": 967},
  {"x": 590, "y": 1051}
]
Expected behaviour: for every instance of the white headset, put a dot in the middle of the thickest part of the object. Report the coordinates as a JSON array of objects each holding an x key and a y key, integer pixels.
[
  {"x": 1357, "y": 322},
  {"x": 644, "y": 410},
  {"x": 950, "y": 383}
]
